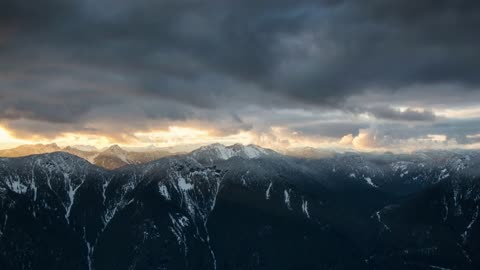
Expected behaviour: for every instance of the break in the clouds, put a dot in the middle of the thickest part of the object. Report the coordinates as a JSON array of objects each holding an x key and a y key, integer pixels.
[{"x": 374, "y": 73}]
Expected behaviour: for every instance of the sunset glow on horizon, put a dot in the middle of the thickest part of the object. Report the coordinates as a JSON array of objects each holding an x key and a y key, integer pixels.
[{"x": 287, "y": 76}]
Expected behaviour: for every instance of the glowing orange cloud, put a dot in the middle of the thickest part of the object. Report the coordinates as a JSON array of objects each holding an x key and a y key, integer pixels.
[
  {"x": 7, "y": 140},
  {"x": 172, "y": 136},
  {"x": 177, "y": 135},
  {"x": 278, "y": 138}
]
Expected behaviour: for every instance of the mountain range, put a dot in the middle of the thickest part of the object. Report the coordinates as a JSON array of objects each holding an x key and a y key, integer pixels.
[
  {"x": 242, "y": 207},
  {"x": 112, "y": 157}
]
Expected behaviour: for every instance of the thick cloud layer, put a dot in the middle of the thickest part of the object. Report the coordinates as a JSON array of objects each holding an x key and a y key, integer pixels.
[{"x": 231, "y": 66}]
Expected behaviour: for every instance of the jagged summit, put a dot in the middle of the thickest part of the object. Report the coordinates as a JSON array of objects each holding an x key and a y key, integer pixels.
[
  {"x": 115, "y": 149},
  {"x": 217, "y": 151},
  {"x": 30, "y": 149},
  {"x": 51, "y": 145}
]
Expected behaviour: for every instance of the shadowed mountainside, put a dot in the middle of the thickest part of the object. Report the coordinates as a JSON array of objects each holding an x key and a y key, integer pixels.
[{"x": 242, "y": 208}]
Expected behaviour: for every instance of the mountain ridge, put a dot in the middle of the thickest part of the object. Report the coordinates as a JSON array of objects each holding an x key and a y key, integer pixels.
[
  {"x": 178, "y": 212},
  {"x": 114, "y": 156}
]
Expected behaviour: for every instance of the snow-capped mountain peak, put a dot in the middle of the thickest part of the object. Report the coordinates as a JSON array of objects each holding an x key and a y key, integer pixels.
[
  {"x": 250, "y": 151},
  {"x": 216, "y": 149},
  {"x": 214, "y": 152},
  {"x": 117, "y": 152},
  {"x": 114, "y": 149}
]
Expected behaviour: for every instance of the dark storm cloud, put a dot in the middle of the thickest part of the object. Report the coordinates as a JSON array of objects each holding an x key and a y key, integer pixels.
[
  {"x": 463, "y": 132},
  {"x": 332, "y": 130},
  {"x": 386, "y": 45},
  {"x": 67, "y": 59},
  {"x": 388, "y": 113},
  {"x": 460, "y": 130}
]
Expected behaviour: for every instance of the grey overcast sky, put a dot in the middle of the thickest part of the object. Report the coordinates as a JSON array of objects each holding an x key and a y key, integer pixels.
[{"x": 366, "y": 75}]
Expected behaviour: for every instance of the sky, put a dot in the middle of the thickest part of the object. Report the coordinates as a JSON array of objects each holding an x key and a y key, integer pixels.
[{"x": 387, "y": 75}]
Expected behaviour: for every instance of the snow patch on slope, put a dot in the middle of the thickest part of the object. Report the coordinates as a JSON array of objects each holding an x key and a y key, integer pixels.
[
  {"x": 305, "y": 208},
  {"x": 267, "y": 193},
  {"x": 369, "y": 181},
  {"x": 378, "y": 215},
  {"x": 15, "y": 185},
  {"x": 287, "y": 199},
  {"x": 164, "y": 191},
  {"x": 469, "y": 226},
  {"x": 182, "y": 184},
  {"x": 177, "y": 229}
]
